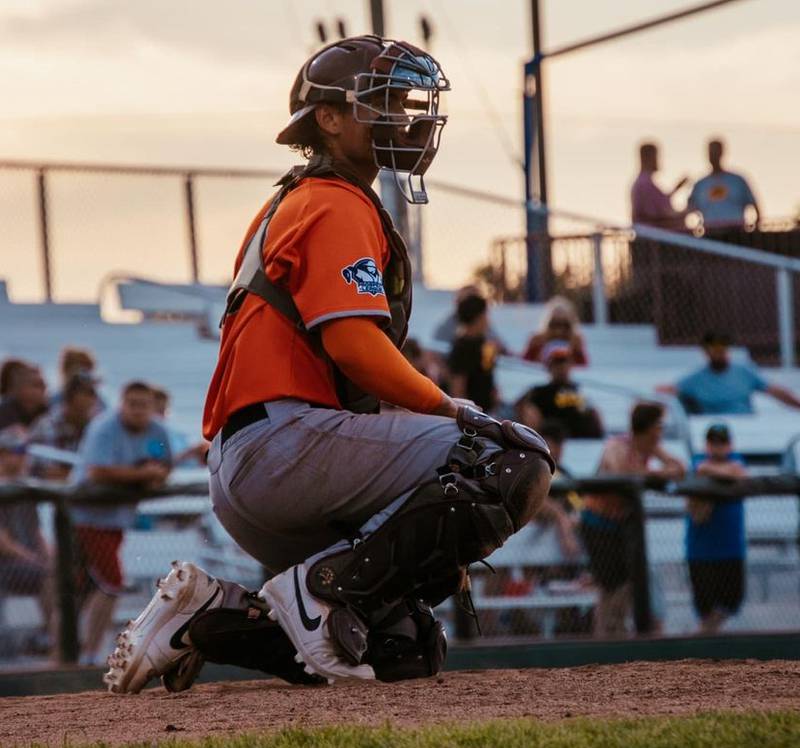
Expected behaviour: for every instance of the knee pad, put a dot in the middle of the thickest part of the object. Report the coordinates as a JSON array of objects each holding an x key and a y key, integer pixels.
[
  {"x": 522, "y": 481},
  {"x": 425, "y": 541},
  {"x": 520, "y": 474},
  {"x": 484, "y": 494},
  {"x": 248, "y": 639}
]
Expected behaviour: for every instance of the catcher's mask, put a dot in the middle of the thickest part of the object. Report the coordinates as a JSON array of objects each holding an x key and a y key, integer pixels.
[{"x": 393, "y": 87}]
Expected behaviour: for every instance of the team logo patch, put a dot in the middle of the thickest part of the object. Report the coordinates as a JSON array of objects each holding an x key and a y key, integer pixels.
[{"x": 365, "y": 275}]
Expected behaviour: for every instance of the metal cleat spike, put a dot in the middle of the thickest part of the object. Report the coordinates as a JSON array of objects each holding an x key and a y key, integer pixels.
[
  {"x": 331, "y": 681},
  {"x": 272, "y": 615},
  {"x": 308, "y": 670},
  {"x": 298, "y": 658}
]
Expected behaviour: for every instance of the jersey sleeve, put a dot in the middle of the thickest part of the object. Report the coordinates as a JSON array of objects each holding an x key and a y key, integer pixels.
[{"x": 339, "y": 255}]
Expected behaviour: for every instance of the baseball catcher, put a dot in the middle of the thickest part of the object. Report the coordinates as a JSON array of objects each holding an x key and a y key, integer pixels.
[{"x": 367, "y": 519}]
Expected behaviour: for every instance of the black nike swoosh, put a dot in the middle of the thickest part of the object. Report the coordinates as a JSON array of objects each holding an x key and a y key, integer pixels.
[
  {"x": 176, "y": 640},
  {"x": 311, "y": 624}
]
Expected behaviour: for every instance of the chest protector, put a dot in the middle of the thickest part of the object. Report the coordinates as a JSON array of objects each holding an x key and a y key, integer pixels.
[{"x": 252, "y": 278}]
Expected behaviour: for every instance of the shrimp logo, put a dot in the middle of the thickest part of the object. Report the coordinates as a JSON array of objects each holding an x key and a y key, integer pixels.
[{"x": 365, "y": 275}]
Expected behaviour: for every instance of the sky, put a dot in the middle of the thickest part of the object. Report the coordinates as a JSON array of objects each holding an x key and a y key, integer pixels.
[{"x": 199, "y": 82}]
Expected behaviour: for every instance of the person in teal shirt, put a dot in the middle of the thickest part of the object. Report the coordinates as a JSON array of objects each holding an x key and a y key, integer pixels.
[
  {"x": 722, "y": 387},
  {"x": 722, "y": 196},
  {"x": 716, "y": 545}
]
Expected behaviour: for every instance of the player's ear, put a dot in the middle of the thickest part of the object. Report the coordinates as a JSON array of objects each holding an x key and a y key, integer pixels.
[{"x": 330, "y": 119}]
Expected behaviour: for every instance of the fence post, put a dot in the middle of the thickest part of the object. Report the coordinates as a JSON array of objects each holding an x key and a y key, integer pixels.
[
  {"x": 783, "y": 281},
  {"x": 44, "y": 235},
  {"x": 65, "y": 581},
  {"x": 636, "y": 550},
  {"x": 599, "y": 306},
  {"x": 190, "y": 224}
]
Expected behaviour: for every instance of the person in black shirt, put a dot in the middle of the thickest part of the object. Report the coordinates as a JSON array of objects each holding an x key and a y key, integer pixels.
[
  {"x": 473, "y": 355},
  {"x": 560, "y": 399}
]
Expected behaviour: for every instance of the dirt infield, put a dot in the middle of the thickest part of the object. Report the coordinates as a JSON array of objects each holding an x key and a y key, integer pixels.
[{"x": 635, "y": 689}]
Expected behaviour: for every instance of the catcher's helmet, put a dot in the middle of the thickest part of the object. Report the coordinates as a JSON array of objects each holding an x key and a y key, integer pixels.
[{"x": 364, "y": 71}]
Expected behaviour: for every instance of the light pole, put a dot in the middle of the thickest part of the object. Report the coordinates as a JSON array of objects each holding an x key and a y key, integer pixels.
[{"x": 537, "y": 239}]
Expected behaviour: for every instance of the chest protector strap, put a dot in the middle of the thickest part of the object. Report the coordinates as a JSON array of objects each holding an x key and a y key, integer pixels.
[{"x": 252, "y": 277}]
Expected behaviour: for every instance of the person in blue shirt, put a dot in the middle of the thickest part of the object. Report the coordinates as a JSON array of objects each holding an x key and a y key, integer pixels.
[
  {"x": 127, "y": 448},
  {"x": 721, "y": 197},
  {"x": 715, "y": 538},
  {"x": 722, "y": 387}
]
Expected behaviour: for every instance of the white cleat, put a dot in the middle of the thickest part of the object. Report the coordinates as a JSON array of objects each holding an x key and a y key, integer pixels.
[
  {"x": 304, "y": 620},
  {"x": 157, "y": 640}
]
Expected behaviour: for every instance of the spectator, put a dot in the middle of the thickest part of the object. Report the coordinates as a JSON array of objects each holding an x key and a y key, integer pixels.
[
  {"x": 63, "y": 427},
  {"x": 128, "y": 448},
  {"x": 561, "y": 511},
  {"x": 25, "y": 396},
  {"x": 649, "y": 205},
  {"x": 25, "y": 558},
  {"x": 447, "y": 330},
  {"x": 722, "y": 387},
  {"x": 560, "y": 322},
  {"x": 79, "y": 362},
  {"x": 473, "y": 355},
  {"x": 604, "y": 516},
  {"x": 715, "y": 539},
  {"x": 560, "y": 399},
  {"x": 722, "y": 197},
  {"x": 7, "y": 373}
]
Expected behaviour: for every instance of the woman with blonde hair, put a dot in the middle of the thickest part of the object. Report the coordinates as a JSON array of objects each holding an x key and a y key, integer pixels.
[{"x": 560, "y": 322}]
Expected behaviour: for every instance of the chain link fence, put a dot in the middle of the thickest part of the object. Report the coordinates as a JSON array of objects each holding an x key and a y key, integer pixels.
[
  {"x": 548, "y": 582},
  {"x": 683, "y": 285},
  {"x": 68, "y": 227}
]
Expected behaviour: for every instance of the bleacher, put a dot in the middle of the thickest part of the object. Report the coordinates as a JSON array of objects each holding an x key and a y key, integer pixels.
[{"x": 626, "y": 363}]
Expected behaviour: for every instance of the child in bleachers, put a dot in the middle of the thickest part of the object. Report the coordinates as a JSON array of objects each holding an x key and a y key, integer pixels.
[{"x": 715, "y": 538}]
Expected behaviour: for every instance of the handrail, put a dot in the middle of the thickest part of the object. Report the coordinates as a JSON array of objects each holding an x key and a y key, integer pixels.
[
  {"x": 714, "y": 489},
  {"x": 164, "y": 171}
]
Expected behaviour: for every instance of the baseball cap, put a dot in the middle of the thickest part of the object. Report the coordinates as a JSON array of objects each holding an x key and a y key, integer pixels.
[
  {"x": 556, "y": 350},
  {"x": 718, "y": 432}
]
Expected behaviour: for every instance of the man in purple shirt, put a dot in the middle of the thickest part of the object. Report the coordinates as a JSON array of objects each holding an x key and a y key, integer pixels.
[{"x": 649, "y": 204}]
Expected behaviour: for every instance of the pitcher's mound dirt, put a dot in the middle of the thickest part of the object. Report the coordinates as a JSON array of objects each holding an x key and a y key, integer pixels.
[{"x": 630, "y": 690}]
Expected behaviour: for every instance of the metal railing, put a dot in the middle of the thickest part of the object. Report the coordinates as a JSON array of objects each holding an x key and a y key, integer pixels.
[
  {"x": 643, "y": 274},
  {"x": 189, "y": 175},
  {"x": 208, "y": 216},
  {"x": 62, "y": 498},
  {"x": 632, "y": 488}
]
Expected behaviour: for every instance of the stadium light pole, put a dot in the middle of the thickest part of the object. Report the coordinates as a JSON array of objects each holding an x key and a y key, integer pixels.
[{"x": 539, "y": 267}]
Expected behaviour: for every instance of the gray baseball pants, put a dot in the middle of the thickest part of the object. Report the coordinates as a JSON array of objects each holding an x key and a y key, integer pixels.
[{"x": 295, "y": 483}]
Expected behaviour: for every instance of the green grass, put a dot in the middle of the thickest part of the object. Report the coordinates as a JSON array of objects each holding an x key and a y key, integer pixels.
[{"x": 714, "y": 730}]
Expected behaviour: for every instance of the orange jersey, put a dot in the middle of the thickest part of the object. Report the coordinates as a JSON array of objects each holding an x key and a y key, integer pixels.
[{"x": 326, "y": 246}]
